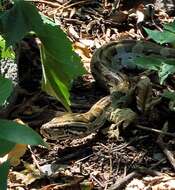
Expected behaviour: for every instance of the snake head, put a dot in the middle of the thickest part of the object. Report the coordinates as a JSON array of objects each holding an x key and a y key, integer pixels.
[{"x": 68, "y": 126}]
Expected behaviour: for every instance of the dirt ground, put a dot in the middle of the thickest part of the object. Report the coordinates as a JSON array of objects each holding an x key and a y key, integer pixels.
[{"x": 140, "y": 159}]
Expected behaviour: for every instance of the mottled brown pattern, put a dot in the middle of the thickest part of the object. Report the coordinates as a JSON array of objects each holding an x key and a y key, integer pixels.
[{"x": 75, "y": 125}]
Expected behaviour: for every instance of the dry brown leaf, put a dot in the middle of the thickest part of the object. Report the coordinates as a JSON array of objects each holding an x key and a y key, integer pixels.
[
  {"x": 135, "y": 184},
  {"x": 162, "y": 182},
  {"x": 144, "y": 94},
  {"x": 72, "y": 12},
  {"x": 123, "y": 116},
  {"x": 18, "y": 151},
  {"x": 170, "y": 185},
  {"x": 82, "y": 50},
  {"x": 155, "y": 183},
  {"x": 70, "y": 182},
  {"x": 72, "y": 32},
  {"x": 119, "y": 16},
  {"x": 25, "y": 177}
]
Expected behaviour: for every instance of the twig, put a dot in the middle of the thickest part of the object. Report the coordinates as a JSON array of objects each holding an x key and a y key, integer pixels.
[
  {"x": 77, "y": 3},
  {"x": 61, "y": 7},
  {"x": 35, "y": 160},
  {"x": 114, "y": 7},
  {"x": 110, "y": 159},
  {"x": 95, "y": 179},
  {"x": 147, "y": 171},
  {"x": 123, "y": 181},
  {"x": 158, "y": 163},
  {"x": 122, "y": 146},
  {"x": 46, "y": 2},
  {"x": 83, "y": 159},
  {"x": 156, "y": 130},
  {"x": 68, "y": 6},
  {"x": 167, "y": 153},
  {"x": 139, "y": 172}
]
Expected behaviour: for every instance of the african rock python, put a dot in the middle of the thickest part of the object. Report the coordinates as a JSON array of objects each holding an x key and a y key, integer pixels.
[{"x": 109, "y": 66}]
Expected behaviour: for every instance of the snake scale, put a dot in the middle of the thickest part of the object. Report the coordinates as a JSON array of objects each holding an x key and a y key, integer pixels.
[{"x": 109, "y": 66}]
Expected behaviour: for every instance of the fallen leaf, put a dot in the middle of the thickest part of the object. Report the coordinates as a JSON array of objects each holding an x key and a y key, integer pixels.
[
  {"x": 18, "y": 151},
  {"x": 144, "y": 95}
]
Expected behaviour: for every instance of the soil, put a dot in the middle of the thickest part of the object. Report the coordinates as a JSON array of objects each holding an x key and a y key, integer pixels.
[{"x": 140, "y": 159}]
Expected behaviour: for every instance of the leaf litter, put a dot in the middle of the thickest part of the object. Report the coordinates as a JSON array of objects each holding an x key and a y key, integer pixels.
[{"x": 97, "y": 162}]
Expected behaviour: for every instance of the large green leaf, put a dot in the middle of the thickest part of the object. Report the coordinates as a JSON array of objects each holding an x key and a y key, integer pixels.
[
  {"x": 5, "y": 147},
  {"x": 150, "y": 63},
  {"x": 59, "y": 55},
  {"x": 51, "y": 82},
  {"x": 163, "y": 66},
  {"x": 4, "y": 170},
  {"x": 6, "y": 88},
  {"x": 161, "y": 37},
  {"x": 20, "y": 134},
  {"x": 169, "y": 95},
  {"x": 165, "y": 71},
  {"x": 5, "y": 52},
  {"x": 15, "y": 23},
  {"x": 170, "y": 26},
  {"x": 60, "y": 63}
]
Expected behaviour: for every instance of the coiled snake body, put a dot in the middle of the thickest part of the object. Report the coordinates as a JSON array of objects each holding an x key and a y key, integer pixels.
[{"x": 109, "y": 66}]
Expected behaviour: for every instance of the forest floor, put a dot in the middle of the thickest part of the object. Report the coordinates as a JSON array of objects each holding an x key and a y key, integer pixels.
[{"x": 140, "y": 159}]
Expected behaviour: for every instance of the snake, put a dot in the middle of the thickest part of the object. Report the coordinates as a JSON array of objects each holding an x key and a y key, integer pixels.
[{"x": 110, "y": 67}]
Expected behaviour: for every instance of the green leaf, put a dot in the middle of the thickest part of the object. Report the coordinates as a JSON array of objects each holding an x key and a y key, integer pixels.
[
  {"x": 161, "y": 37},
  {"x": 47, "y": 20},
  {"x": 169, "y": 95},
  {"x": 6, "y": 52},
  {"x": 163, "y": 66},
  {"x": 170, "y": 26},
  {"x": 5, "y": 147},
  {"x": 60, "y": 64},
  {"x": 150, "y": 63},
  {"x": 165, "y": 71},
  {"x": 20, "y": 134},
  {"x": 15, "y": 23},
  {"x": 51, "y": 82},
  {"x": 59, "y": 52},
  {"x": 6, "y": 88},
  {"x": 4, "y": 170}
]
